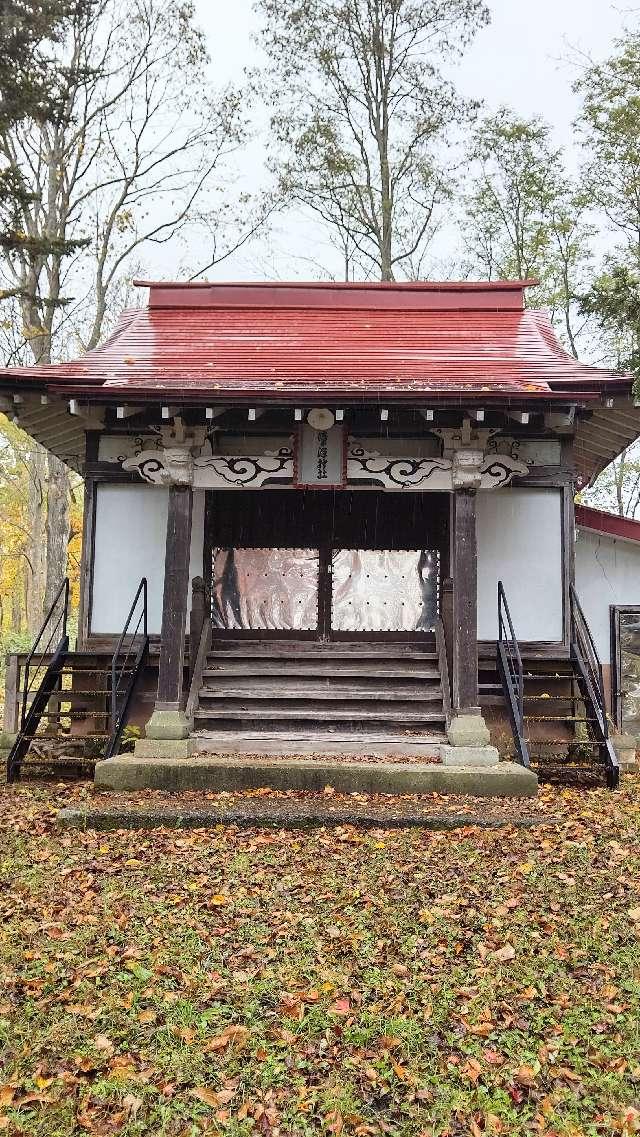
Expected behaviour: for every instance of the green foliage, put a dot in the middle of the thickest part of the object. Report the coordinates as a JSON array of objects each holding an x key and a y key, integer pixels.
[
  {"x": 523, "y": 217},
  {"x": 361, "y": 107}
]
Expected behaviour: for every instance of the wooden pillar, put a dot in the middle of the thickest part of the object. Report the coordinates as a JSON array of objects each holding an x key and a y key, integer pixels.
[
  {"x": 174, "y": 603},
  {"x": 465, "y": 604}
]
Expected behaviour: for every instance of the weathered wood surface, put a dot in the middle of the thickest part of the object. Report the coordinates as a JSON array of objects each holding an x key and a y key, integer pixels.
[
  {"x": 465, "y": 623},
  {"x": 174, "y": 602},
  {"x": 263, "y": 689}
]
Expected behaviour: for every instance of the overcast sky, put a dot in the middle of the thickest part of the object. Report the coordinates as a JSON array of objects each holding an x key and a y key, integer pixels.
[{"x": 527, "y": 58}]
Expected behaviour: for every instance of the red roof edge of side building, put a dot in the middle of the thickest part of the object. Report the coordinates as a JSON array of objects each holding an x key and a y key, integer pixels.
[
  {"x": 610, "y": 524},
  {"x": 448, "y": 295}
]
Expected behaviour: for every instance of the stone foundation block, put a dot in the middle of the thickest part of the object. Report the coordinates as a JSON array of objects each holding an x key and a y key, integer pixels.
[
  {"x": 469, "y": 756},
  {"x": 625, "y": 746},
  {"x": 468, "y": 730},
  {"x": 150, "y": 748},
  {"x": 168, "y": 724}
]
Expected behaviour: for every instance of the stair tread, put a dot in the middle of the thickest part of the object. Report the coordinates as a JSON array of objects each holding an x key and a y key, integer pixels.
[
  {"x": 332, "y": 690},
  {"x": 306, "y": 667},
  {"x": 298, "y": 734},
  {"x": 330, "y": 652},
  {"x": 311, "y": 712}
]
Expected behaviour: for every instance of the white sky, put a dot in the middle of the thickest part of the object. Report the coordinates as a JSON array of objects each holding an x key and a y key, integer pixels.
[{"x": 527, "y": 58}]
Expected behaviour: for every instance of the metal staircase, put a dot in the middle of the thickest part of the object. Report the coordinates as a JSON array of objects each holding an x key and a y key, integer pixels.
[
  {"x": 557, "y": 706},
  {"x": 74, "y": 705}
]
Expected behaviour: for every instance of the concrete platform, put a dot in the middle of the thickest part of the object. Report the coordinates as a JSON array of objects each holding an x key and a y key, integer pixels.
[
  {"x": 290, "y": 815},
  {"x": 126, "y": 772}
]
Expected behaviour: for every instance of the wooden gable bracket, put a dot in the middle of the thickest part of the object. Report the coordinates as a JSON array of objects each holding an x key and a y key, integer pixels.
[
  {"x": 561, "y": 422},
  {"x": 91, "y": 415}
]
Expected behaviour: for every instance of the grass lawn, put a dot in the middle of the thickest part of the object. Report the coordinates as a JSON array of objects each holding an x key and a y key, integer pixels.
[{"x": 286, "y": 983}]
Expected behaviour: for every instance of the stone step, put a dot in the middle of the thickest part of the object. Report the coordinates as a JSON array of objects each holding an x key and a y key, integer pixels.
[{"x": 506, "y": 779}]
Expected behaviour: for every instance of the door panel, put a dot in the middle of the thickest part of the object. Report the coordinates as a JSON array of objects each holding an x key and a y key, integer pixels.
[
  {"x": 627, "y": 663},
  {"x": 384, "y": 590},
  {"x": 265, "y": 589}
]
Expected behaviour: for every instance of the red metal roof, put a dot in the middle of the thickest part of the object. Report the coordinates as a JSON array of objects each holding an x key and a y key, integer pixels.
[
  {"x": 361, "y": 340},
  {"x": 610, "y": 524}
]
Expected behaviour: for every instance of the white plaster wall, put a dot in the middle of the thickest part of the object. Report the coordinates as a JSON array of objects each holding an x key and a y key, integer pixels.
[
  {"x": 520, "y": 542},
  {"x": 607, "y": 572},
  {"x": 130, "y": 535}
]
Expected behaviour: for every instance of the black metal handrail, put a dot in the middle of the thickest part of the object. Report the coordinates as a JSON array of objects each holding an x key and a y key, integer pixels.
[
  {"x": 123, "y": 679},
  {"x": 511, "y": 648},
  {"x": 583, "y": 646},
  {"x": 512, "y": 670},
  {"x": 32, "y": 677}
]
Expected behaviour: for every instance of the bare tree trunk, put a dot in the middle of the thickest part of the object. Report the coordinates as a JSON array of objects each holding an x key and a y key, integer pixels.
[
  {"x": 16, "y": 606},
  {"x": 57, "y": 528},
  {"x": 38, "y": 539}
]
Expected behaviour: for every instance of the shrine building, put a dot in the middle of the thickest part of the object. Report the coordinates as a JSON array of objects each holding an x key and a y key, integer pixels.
[{"x": 335, "y": 519}]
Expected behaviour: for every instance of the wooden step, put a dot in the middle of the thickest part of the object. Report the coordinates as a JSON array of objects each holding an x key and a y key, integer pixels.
[
  {"x": 309, "y": 710},
  {"x": 330, "y": 689},
  {"x": 309, "y": 649},
  {"x": 365, "y": 669}
]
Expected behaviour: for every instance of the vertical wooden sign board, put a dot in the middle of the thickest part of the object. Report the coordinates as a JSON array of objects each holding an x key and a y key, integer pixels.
[{"x": 321, "y": 460}]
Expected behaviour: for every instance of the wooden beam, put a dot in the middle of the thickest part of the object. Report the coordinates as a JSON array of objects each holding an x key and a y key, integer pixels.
[
  {"x": 465, "y": 604},
  {"x": 174, "y": 601}
]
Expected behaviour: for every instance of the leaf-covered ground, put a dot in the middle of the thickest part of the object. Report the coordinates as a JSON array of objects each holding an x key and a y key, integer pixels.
[{"x": 339, "y": 981}]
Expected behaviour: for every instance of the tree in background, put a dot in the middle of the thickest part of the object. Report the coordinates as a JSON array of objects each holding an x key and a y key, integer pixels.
[
  {"x": 522, "y": 217},
  {"x": 134, "y": 152},
  {"x": 362, "y": 110}
]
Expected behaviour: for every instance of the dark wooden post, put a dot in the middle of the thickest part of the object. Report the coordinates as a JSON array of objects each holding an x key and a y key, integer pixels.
[
  {"x": 196, "y": 620},
  {"x": 446, "y": 611},
  {"x": 174, "y": 603},
  {"x": 465, "y": 604}
]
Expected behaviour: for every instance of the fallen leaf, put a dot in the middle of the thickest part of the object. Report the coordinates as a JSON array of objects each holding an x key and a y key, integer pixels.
[{"x": 505, "y": 953}]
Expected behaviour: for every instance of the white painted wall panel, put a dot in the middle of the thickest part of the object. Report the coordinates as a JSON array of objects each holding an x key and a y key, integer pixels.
[
  {"x": 520, "y": 543},
  {"x": 130, "y": 536},
  {"x": 607, "y": 572}
]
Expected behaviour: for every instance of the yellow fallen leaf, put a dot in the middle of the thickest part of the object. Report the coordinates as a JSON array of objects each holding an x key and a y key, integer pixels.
[
  {"x": 209, "y": 1097},
  {"x": 219, "y": 898}
]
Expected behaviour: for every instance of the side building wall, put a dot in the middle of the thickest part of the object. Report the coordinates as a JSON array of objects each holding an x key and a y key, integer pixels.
[
  {"x": 607, "y": 573},
  {"x": 129, "y": 543},
  {"x": 520, "y": 541}
]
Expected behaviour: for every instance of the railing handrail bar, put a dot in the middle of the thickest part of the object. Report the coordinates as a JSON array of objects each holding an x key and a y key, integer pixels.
[
  {"x": 62, "y": 619},
  {"x": 585, "y": 625},
  {"x": 504, "y": 605},
  {"x": 63, "y": 587},
  {"x": 141, "y": 589}
]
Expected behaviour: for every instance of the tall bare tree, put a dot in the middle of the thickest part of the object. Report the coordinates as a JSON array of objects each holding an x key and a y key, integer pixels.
[
  {"x": 361, "y": 113},
  {"x": 136, "y": 153},
  {"x": 522, "y": 216}
]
